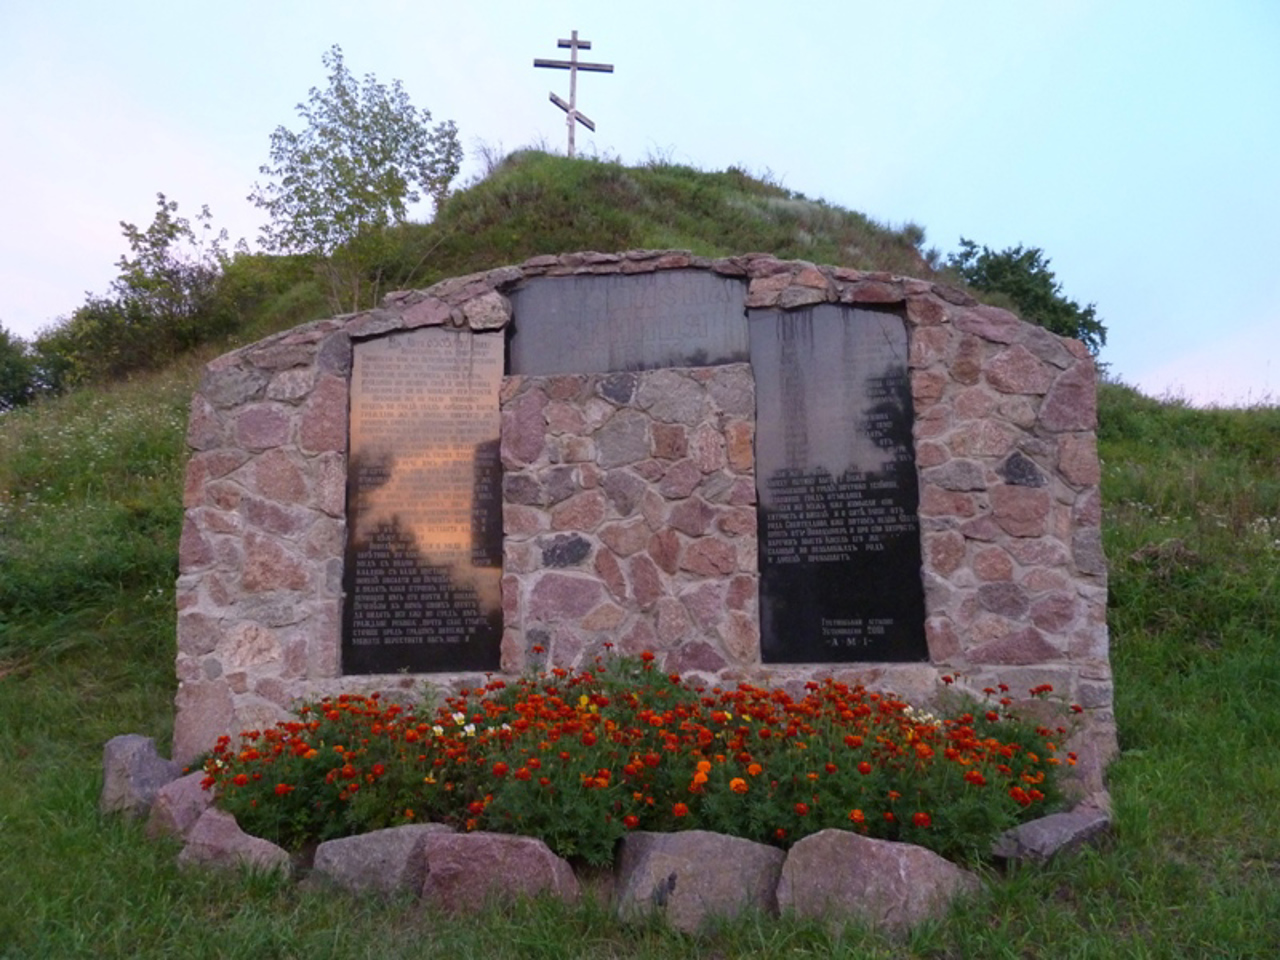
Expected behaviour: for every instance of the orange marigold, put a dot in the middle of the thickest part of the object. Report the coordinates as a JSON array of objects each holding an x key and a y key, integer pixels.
[{"x": 738, "y": 785}]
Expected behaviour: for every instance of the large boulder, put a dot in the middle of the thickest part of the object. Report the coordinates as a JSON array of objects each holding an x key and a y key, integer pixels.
[
  {"x": 837, "y": 875},
  {"x": 1041, "y": 839},
  {"x": 694, "y": 875},
  {"x": 465, "y": 871},
  {"x": 386, "y": 862},
  {"x": 216, "y": 840},
  {"x": 178, "y": 806},
  {"x": 132, "y": 773}
]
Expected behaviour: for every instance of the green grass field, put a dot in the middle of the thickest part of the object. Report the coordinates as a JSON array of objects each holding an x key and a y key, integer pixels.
[{"x": 90, "y": 510}]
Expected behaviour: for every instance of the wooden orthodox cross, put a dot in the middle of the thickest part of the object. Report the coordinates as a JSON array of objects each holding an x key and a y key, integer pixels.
[{"x": 573, "y": 65}]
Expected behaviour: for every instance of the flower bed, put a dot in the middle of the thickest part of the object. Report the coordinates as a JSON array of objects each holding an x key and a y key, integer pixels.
[{"x": 579, "y": 759}]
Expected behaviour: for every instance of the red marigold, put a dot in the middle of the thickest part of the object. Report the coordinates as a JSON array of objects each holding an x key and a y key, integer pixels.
[
  {"x": 802, "y": 809},
  {"x": 857, "y": 816},
  {"x": 864, "y": 768},
  {"x": 631, "y": 821},
  {"x": 922, "y": 820},
  {"x": 976, "y": 778},
  {"x": 240, "y": 780},
  {"x": 500, "y": 769},
  {"x": 523, "y": 774},
  {"x": 282, "y": 789},
  {"x": 680, "y": 810}
]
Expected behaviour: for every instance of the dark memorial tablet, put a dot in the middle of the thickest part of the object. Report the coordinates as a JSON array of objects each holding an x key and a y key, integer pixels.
[
  {"x": 836, "y": 478},
  {"x": 424, "y": 550},
  {"x": 589, "y": 324}
]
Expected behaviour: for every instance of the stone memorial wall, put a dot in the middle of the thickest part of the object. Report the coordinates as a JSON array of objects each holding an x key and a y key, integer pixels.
[{"x": 759, "y": 470}]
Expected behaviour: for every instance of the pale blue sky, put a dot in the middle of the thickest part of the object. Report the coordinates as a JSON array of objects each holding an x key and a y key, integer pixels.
[{"x": 1136, "y": 141}]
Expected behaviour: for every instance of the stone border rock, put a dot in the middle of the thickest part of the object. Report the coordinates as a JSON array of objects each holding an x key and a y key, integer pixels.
[{"x": 689, "y": 878}]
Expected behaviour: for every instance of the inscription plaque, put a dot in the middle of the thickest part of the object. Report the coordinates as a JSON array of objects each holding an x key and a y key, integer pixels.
[
  {"x": 424, "y": 550},
  {"x": 590, "y": 324},
  {"x": 836, "y": 480}
]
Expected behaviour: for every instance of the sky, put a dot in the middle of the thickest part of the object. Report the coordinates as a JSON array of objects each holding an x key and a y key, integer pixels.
[{"x": 1136, "y": 142}]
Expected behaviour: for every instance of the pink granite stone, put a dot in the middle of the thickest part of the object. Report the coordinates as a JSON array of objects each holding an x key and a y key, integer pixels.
[
  {"x": 1072, "y": 401},
  {"x": 736, "y": 521},
  {"x": 927, "y": 388},
  {"x": 1018, "y": 370},
  {"x": 926, "y": 311},
  {"x": 981, "y": 438},
  {"x": 664, "y": 549},
  {"x": 989, "y": 323},
  {"x": 741, "y": 595},
  {"x": 276, "y": 476},
  {"x": 524, "y": 429},
  {"x": 1054, "y": 613},
  {"x": 936, "y": 502},
  {"x": 205, "y": 430},
  {"x": 681, "y": 480},
  {"x": 707, "y": 448},
  {"x": 1020, "y": 511},
  {"x": 329, "y": 483},
  {"x": 564, "y": 418},
  {"x": 692, "y": 516},
  {"x": 268, "y": 565},
  {"x": 194, "y": 550},
  {"x": 672, "y": 621},
  {"x": 940, "y": 634},
  {"x": 974, "y": 403},
  {"x": 740, "y": 445},
  {"x": 561, "y": 596},
  {"x": 583, "y": 512},
  {"x": 1025, "y": 647},
  {"x": 708, "y": 557},
  {"x": 930, "y": 454},
  {"x": 1038, "y": 552},
  {"x": 992, "y": 564},
  {"x": 928, "y": 347},
  {"x": 610, "y": 573},
  {"x": 646, "y": 582},
  {"x": 706, "y": 605},
  {"x": 1078, "y": 460},
  {"x": 945, "y": 551},
  {"x": 522, "y": 521},
  {"x": 323, "y": 428},
  {"x": 966, "y": 368},
  {"x": 627, "y": 538},
  {"x": 670, "y": 441}
]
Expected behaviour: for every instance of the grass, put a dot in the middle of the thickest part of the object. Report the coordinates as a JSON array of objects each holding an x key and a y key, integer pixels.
[{"x": 90, "y": 492}]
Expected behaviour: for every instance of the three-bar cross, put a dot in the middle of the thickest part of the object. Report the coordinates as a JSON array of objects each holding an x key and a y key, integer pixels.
[{"x": 573, "y": 65}]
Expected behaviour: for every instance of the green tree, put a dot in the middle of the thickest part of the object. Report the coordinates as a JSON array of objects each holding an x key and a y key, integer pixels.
[
  {"x": 364, "y": 155},
  {"x": 17, "y": 372},
  {"x": 166, "y": 300},
  {"x": 1022, "y": 274}
]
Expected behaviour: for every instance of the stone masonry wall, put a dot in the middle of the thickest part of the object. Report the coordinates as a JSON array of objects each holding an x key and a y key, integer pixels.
[
  {"x": 630, "y": 518},
  {"x": 1014, "y": 575}
]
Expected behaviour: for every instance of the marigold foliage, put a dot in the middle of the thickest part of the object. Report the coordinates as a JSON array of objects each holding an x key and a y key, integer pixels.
[{"x": 578, "y": 759}]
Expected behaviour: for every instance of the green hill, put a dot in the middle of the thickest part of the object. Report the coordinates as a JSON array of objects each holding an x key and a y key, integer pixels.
[{"x": 90, "y": 509}]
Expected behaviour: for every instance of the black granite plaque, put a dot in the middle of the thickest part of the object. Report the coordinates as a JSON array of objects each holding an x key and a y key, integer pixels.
[
  {"x": 839, "y": 537},
  {"x": 424, "y": 505},
  {"x": 595, "y": 324}
]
